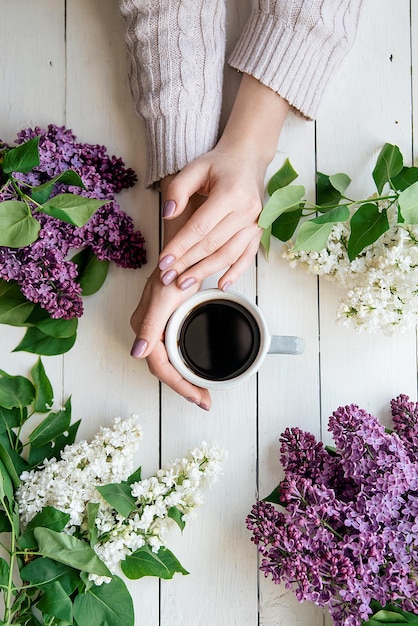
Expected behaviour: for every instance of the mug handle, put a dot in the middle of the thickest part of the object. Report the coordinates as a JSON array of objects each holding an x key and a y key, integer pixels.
[{"x": 286, "y": 345}]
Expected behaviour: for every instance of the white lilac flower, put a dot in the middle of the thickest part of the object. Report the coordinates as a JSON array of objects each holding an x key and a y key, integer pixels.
[
  {"x": 179, "y": 484},
  {"x": 381, "y": 283},
  {"x": 70, "y": 483}
]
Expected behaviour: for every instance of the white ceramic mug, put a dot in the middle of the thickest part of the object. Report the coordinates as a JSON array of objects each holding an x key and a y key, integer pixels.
[{"x": 220, "y": 339}]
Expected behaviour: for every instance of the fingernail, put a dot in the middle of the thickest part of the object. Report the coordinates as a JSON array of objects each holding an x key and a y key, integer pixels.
[
  {"x": 138, "y": 348},
  {"x": 169, "y": 276},
  {"x": 192, "y": 400},
  {"x": 166, "y": 261},
  {"x": 203, "y": 406},
  {"x": 187, "y": 283},
  {"x": 227, "y": 285},
  {"x": 169, "y": 208}
]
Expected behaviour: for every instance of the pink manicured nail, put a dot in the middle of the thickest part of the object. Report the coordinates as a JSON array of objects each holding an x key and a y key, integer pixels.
[
  {"x": 192, "y": 400},
  {"x": 227, "y": 285},
  {"x": 187, "y": 283},
  {"x": 169, "y": 276},
  {"x": 166, "y": 261},
  {"x": 169, "y": 208},
  {"x": 138, "y": 348},
  {"x": 203, "y": 406}
]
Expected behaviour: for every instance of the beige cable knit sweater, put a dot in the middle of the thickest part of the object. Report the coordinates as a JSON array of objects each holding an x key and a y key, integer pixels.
[{"x": 176, "y": 56}]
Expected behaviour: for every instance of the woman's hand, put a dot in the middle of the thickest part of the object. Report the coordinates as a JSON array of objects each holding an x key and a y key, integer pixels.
[
  {"x": 148, "y": 322},
  {"x": 202, "y": 239},
  {"x": 223, "y": 233}
]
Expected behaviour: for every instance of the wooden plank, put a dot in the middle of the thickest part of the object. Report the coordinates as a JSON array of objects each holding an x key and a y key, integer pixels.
[
  {"x": 32, "y": 88},
  {"x": 105, "y": 380},
  {"x": 288, "y": 385},
  {"x": 367, "y": 104},
  {"x": 215, "y": 547}
]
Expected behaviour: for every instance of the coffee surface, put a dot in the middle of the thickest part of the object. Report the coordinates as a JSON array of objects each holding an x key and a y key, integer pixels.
[{"x": 219, "y": 340}]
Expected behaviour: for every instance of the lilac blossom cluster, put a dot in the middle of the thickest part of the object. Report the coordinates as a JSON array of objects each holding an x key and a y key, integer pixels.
[
  {"x": 42, "y": 270},
  {"x": 348, "y": 533}
]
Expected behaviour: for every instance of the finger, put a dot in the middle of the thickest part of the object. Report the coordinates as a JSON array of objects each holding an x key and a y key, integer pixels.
[
  {"x": 216, "y": 239},
  {"x": 238, "y": 268},
  {"x": 160, "y": 366},
  {"x": 243, "y": 245},
  {"x": 152, "y": 313},
  {"x": 197, "y": 227},
  {"x": 190, "y": 181}
]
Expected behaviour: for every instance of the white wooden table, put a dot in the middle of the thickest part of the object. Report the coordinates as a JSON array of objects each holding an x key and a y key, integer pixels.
[{"x": 64, "y": 62}]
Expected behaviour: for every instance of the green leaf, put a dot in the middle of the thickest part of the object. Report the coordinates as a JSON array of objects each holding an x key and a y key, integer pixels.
[
  {"x": 22, "y": 158},
  {"x": 119, "y": 496},
  {"x": 326, "y": 194},
  {"x": 10, "y": 418},
  {"x": 44, "y": 394},
  {"x": 70, "y": 551},
  {"x": 5, "y": 526},
  {"x": 283, "y": 177},
  {"x": 51, "y": 427},
  {"x": 42, "y": 571},
  {"x": 13, "y": 462},
  {"x": 286, "y": 224},
  {"x": 339, "y": 214},
  {"x": 91, "y": 271},
  {"x": 389, "y": 163},
  {"x": 367, "y": 225},
  {"x": 408, "y": 204},
  {"x": 4, "y": 573},
  {"x": 52, "y": 449},
  {"x": 136, "y": 477},
  {"x": 406, "y": 177},
  {"x": 41, "y": 193},
  {"x": 58, "y": 328},
  {"x": 92, "y": 509},
  {"x": 110, "y": 604},
  {"x": 177, "y": 516},
  {"x": 48, "y": 517},
  {"x": 274, "y": 497},
  {"x": 6, "y": 488},
  {"x": 71, "y": 208},
  {"x": 285, "y": 199},
  {"x": 14, "y": 308},
  {"x": 265, "y": 240},
  {"x": 313, "y": 236},
  {"x": 56, "y": 602},
  {"x": 37, "y": 342},
  {"x": 340, "y": 182},
  {"x": 15, "y": 391},
  {"x": 17, "y": 226},
  {"x": 144, "y": 562}
]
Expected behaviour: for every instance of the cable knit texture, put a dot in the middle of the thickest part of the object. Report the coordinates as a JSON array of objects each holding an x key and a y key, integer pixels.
[
  {"x": 176, "y": 58},
  {"x": 293, "y": 46}
]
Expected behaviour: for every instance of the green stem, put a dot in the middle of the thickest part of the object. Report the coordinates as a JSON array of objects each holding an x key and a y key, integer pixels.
[
  {"x": 24, "y": 196},
  {"x": 8, "y": 601},
  {"x": 349, "y": 203}
]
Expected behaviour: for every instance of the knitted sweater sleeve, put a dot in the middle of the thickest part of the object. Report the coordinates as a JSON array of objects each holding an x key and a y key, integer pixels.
[
  {"x": 293, "y": 46},
  {"x": 176, "y": 51},
  {"x": 176, "y": 58}
]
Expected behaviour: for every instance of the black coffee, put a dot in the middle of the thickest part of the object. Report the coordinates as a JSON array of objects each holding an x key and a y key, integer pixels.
[{"x": 219, "y": 340}]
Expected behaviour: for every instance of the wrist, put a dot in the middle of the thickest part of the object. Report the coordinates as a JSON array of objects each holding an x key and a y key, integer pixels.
[{"x": 255, "y": 122}]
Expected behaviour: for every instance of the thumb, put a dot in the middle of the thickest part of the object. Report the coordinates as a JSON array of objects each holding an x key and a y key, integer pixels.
[{"x": 182, "y": 187}]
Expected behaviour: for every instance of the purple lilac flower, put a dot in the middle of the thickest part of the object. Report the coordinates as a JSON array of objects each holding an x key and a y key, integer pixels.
[
  {"x": 42, "y": 269},
  {"x": 344, "y": 548}
]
